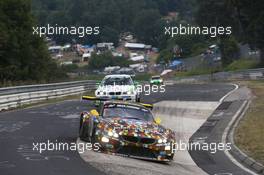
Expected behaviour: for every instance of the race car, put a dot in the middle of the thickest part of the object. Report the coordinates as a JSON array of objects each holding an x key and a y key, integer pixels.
[
  {"x": 156, "y": 80},
  {"x": 120, "y": 87},
  {"x": 127, "y": 129}
]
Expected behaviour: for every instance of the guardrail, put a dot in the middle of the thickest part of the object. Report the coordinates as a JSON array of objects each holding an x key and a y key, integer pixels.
[
  {"x": 250, "y": 74},
  {"x": 12, "y": 97}
]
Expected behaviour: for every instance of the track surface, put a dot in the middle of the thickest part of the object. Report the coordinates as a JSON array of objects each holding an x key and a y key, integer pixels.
[{"x": 21, "y": 128}]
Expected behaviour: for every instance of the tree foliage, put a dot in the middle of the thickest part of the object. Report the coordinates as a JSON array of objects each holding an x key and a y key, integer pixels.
[
  {"x": 246, "y": 18},
  {"x": 107, "y": 59},
  {"x": 23, "y": 56},
  {"x": 141, "y": 17}
]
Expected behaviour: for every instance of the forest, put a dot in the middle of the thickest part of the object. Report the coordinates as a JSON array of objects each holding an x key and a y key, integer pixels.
[{"x": 24, "y": 57}]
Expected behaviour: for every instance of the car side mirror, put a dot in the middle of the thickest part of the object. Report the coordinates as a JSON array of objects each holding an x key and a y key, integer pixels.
[
  {"x": 94, "y": 113},
  {"x": 157, "y": 120}
]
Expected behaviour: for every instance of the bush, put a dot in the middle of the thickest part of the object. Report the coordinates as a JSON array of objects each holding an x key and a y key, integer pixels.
[
  {"x": 107, "y": 59},
  {"x": 242, "y": 64}
]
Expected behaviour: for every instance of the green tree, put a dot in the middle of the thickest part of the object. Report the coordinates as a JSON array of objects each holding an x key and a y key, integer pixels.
[
  {"x": 147, "y": 26},
  {"x": 23, "y": 55},
  {"x": 251, "y": 17},
  {"x": 214, "y": 13},
  {"x": 165, "y": 56},
  {"x": 107, "y": 59},
  {"x": 230, "y": 50}
]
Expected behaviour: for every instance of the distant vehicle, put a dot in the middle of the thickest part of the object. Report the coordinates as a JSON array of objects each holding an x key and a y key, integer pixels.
[
  {"x": 125, "y": 128},
  {"x": 86, "y": 55},
  {"x": 156, "y": 80},
  {"x": 129, "y": 37},
  {"x": 217, "y": 58},
  {"x": 119, "y": 86},
  {"x": 55, "y": 49},
  {"x": 138, "y": 67},
  {"x": 253, "y": 52},
  {"x": 111, "y": 69},
  {"x": 116, "y": 54},
  {"x": 59, "y": 56},
  {"x": 67, "y": 63}
]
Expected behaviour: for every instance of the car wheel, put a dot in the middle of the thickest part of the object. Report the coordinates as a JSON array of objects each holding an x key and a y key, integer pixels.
[
  {"x": 171, "y": 157},
  {"x": 81, "y": 122},
  {"x": 84, "y": 134},
  {"x": 137, "y": 99}
]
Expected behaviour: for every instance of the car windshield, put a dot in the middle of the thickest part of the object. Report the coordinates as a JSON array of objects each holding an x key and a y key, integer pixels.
[
  {"x": 155, "y": 78},
  {"x": 117, "y": 81},
  {"x": 127, "y": 111}
]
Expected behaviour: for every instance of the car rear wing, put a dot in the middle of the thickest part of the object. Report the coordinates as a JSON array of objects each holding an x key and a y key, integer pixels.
[
  {"x": 92, "y": 98},
  {"x": 150, "y": 106}
]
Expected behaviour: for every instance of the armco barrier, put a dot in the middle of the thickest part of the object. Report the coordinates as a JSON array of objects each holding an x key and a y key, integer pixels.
[
  {"x": 17, "y": 96},
  {"x": 250, "y": 74}
]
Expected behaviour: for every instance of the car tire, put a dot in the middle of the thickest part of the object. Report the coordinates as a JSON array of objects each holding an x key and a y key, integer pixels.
[
  {"x": 137, "y": 98},
  {"x": 171, "y": 157},
  {"x": 83, "y": 133},
  {"x": 87, "y": 131},
  {"x": 81, "y": 122}
]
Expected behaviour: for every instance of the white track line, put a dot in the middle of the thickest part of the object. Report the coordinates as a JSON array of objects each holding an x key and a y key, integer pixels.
[
  {"x": 224, "y": 136},
  {"x": 236, "y": 87}
]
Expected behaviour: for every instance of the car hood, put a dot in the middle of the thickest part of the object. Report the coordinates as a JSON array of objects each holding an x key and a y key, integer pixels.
[
  {"x": 135, "y": 127},
  {"x": 116, "y": 88}
]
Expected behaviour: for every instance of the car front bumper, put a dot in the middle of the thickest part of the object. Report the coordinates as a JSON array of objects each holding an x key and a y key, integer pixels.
[
  {"x": 119, "y": 97},
  {"x": 154, "y": 151}
]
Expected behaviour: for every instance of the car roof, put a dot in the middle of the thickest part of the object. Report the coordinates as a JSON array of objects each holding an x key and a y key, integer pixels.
[
  {"x": 118, "y": 76},
  {"x": 156, "y": 76}
]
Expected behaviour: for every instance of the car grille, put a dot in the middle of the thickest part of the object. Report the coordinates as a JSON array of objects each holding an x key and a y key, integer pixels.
[
  {"x": 114, "y": 93},
  {"x": 131, "y": 139},
  {"x": 139, "y": 140},
  {"x": 147, "y": 140},
  {"x": 137, "y": 151}
]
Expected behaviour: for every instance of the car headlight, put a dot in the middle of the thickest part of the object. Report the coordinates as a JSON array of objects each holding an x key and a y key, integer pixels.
[
  {"x": 162, "y": 141},
  {"x": 167, "y": 148},
  {"x": 100, "y": 93},
  {"x": 116, "y": 135},
  {"x": 105, "y": 139},
  {"x": 112, "y": 134}
]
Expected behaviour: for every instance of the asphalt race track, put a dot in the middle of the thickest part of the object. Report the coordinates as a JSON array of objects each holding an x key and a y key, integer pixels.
[{"x": 19, "y": 129}]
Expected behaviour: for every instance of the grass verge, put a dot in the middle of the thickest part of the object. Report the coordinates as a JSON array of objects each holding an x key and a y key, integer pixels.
[
  {"x": 242, "y": 64},
  {"x": 249, "y": 136}
]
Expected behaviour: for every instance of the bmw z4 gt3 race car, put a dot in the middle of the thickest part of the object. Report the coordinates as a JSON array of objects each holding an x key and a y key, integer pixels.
[{"x": 129, "y": 129}]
